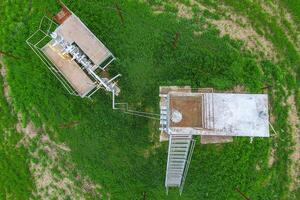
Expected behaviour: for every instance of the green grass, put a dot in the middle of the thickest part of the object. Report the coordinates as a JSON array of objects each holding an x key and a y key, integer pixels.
[
  {"x": 109, "y": 146},
  {"x": 16, "y": 181}
]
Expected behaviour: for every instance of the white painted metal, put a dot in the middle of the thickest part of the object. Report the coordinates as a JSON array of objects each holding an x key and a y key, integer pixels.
[
  {"x": 77, "y": 55},
  {"x": 179, "y": 154},
  {"x": 125, "y": 108},
  {"x": 164, "y": 115}
]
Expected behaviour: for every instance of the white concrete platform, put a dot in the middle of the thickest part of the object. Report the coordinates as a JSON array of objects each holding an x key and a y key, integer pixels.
[
  {"x": 233, "y": 115},
  {"x": 241, "y": 114}
]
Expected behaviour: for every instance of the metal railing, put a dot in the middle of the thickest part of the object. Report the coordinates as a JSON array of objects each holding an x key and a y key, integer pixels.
[
  {"x": 187, "y": 165},
  {"x": 125, "y": 109}
]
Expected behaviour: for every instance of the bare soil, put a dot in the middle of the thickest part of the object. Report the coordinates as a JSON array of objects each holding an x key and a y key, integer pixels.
[
  {"x": 184, "y": 11},
  {"x": 271, "y": 158},
  {"x": 3, "y": 73},
  {"x": 236, "y": 26},
  {"x": 294, "y": 121}
]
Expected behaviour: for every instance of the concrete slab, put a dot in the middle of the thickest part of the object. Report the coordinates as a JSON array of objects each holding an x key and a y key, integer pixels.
[{"x": 241, "y": 114}]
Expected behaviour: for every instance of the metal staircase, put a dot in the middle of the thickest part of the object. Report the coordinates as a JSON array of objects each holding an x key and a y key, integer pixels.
[{"x": 180, "y": 152}]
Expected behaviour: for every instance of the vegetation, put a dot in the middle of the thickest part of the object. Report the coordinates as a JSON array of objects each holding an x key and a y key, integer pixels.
[
  {"x": 122, "y": 152},
  {"x": 15, "y": 179}
]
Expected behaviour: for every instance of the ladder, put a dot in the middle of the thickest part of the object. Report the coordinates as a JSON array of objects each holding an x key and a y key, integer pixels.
[
  {"x": 163, "y": 118},
  {"x": 180, "y": 152},
  {"x": 164, "y": 113}
]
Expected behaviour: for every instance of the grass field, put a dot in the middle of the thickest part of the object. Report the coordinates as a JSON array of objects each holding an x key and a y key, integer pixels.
[{"x": 122, "y": 153}]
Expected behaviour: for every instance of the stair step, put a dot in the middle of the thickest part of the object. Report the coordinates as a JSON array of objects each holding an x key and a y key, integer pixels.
[
  {"x": 163, "y": 107},
  {"x": 178, "y": 157},
  {"x": 174, "y": 180},
  {"x": 179, "y": 149},
  {"x": 173, "y": 184},
  {"x": 176, "y": 176},
  {"x": 176, "y": 167},
  {"x": 177, "y": 153},
  {"x": 163, "y": 122},
  {"x": 182, "y": 137},
  {"x": 174, "y": 173},
  {"x": 180, "y": 145},
  {"x": 163, "y": 113},
  {"x": 179, "y": 166},
  {"x": 179, "y": 171},
  {"x": 177, "y": 162},
  {"x": 185, "y": 141},
  {"x": 163, "y": 117}
]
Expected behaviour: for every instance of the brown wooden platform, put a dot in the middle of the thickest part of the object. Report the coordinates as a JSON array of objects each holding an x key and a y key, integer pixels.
[
  {"x": 70, "y": 70},
  {"x": 62, "y": 15},
  {"x": 191, "y": 109},
  {"x": 73, "y": 30}
]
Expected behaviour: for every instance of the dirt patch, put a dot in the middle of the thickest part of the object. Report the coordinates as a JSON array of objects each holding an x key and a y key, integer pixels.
[
  {"x": 184, "y": 11},
  {"x": 153, "y": 138},
  {"x": 283, "y": 18},
  {"x": 158, "y": 9},
  {"x": 236, "y": 26},
  {"x": 239, "y": 89},
  {"x": 215, "y": 139},
  {"x": 294, "y": 121},
  {"x": 50, "y": 162},
  {"x": 152, "y": 149},
  {"x": 51, "y": 166},
  {"x": 268, "y": 7},
  {"x": 3, "y": 73},
  {"x": 202, "y": 7},
  {"x": 54, "y": 174},
  {"x": 252, "y": 40},
  {"x": 271, "y": 158}
]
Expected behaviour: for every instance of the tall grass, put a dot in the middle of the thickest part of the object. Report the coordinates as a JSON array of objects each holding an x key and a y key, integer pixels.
[{"x": 119, "y": 151}]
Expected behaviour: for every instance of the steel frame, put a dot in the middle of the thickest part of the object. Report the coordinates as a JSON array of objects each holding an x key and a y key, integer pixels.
[
  {"x": 37, "y": 50},
  {"x": 34, "y": 45}
]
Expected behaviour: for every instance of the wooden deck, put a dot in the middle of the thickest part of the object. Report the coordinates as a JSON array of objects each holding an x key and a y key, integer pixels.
[
  {"x": 191, "y": 109},
  {"x": 73, "y": 30},
  {"x": 62, "y": 15},
  {"x": 70, "y": 70}
]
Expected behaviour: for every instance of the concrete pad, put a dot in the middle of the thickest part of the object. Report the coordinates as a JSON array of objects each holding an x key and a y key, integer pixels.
[{"x": 241, "y": 114}]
